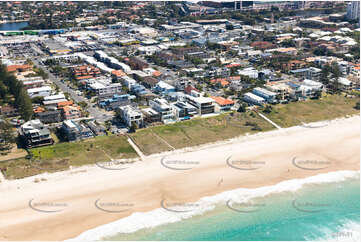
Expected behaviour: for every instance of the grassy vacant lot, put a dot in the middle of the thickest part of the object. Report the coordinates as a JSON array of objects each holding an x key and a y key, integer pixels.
[
  {"x": 326, "y": 108},
  {"x": 198, "y": 131},
  {"x": 178, "y": 135},
  {"x": 60, "y": 156}
]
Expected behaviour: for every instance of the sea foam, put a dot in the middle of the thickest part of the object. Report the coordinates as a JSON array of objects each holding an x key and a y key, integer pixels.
[
  {"x": 349, "y": 231},
  {"x": 156, "y": 217}
]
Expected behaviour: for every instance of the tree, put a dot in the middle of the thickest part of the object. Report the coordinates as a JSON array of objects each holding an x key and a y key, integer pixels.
[
  {"x": 242, "y": 108},
  {"x": 268, "y": 109},
  {"x": 229, "y": 27},
  {"x": 133, "y": 127},
  {"x": 317, "y": 95},
  {"x": 24, "y": 105},
  {"x": 324, "y": 77},
  {"x": 83, "y": 104},
  {"x": 335, "y": 70},
  {"x": 37, "y": 100},
  {"x": 7, "y": 137}
]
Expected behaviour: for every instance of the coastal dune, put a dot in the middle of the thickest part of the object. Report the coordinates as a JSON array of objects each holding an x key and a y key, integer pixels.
[{"x": 65, "y": 204}]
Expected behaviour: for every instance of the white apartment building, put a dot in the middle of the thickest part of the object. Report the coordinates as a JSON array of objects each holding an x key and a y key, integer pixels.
[
  {"x": 104, "y": 86},
  {"x": 164, "y": 108},
  {"x": 39, "y": 91},
  {"x": 204, "y": 105},
  {"x": 130, "y": 114},
  {"x": 253, "y": 99}
]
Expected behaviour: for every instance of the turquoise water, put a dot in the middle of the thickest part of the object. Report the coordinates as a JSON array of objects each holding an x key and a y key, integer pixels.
[{"x": 314, "y": 212}]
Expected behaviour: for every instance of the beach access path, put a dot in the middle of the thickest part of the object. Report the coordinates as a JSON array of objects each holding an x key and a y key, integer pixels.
[{"x": 146, "y": 184}]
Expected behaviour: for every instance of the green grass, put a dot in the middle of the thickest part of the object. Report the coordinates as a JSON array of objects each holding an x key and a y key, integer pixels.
[
  {"x": 179, "y": 135},
  {"x": 63, "y": 155},
  {"x": 197, "y": 131},
  {"x": 326, "y": 108}
]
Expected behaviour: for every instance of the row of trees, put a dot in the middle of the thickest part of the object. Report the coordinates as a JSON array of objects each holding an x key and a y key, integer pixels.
[
  {"x": 12, "y": 91},
  {"x": 7, "y": 137}
]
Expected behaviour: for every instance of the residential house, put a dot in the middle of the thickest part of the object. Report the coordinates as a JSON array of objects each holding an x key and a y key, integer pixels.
[
  {"x": 34, "y": 134},
  {"x": 223, "y": 104},
  {"x": 184, "y": 110},
  {"x": 54, "y": 116},
  {"x": 8, "y": 111},
  {"x": 164, "y": 108},
  {"x": 73, "y": 131},
  {"x": 149, "y": 82},
  {"x": 164, "y": 88},
  {"x": 151, "y": 116},
  {"x": 137, "y": 63},
  {"x": 71, "y": 112},
  {"x": 131, "y": 115}
]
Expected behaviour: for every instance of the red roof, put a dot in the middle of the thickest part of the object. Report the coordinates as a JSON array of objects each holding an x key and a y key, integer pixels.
[
  {"x": 13, "y": 68},
  {"x": 83, "y": 77},
  {"x": 223, "y": 101},
  {"x": 188, "y": 89},
  {"x": 65, "y": 103},
  {"x": 118, "y": 73},
  {"x": 233, "y": 65}
]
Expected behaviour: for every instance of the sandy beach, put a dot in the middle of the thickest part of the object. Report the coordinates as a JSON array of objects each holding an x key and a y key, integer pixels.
[{"x": 64, "y": 204}]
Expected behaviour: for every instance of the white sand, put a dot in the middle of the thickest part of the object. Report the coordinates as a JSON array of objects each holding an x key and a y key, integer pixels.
[{"x": 145, "y": 183}]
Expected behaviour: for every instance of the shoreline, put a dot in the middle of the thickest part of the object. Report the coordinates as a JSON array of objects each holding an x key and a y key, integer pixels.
[
  {"x": 338, "y": 143},
  {"x": 129, "y": 225}
]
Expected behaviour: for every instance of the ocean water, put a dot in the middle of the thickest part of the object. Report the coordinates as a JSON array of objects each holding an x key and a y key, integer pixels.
[{"x": 323, "y": 207}]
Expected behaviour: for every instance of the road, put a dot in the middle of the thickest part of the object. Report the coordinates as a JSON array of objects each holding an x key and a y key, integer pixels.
[{"x": 95, "y": 112}]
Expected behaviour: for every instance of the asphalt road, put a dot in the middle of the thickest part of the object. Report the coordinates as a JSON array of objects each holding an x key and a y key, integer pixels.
[{"x": 95, "y": 112}]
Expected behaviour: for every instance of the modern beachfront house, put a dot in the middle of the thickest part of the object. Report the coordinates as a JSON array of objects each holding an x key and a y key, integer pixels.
[
  {"x": 130, "y": 115},
  {"x": 164, "y": 108},
  {"x": 204, "y": 105},
  {"x": 34, "y": 134}
]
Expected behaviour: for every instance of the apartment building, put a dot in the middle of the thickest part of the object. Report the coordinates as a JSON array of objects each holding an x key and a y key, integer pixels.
[
  {"x": 204, "y": 105},
  {"x": 253, "y": 99},
  {"x": 269, "y": 96},
  {"x": 313, "y": 73},
  {"x": 103, "y": 86},
  {"x": 39, "y": 91}
]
